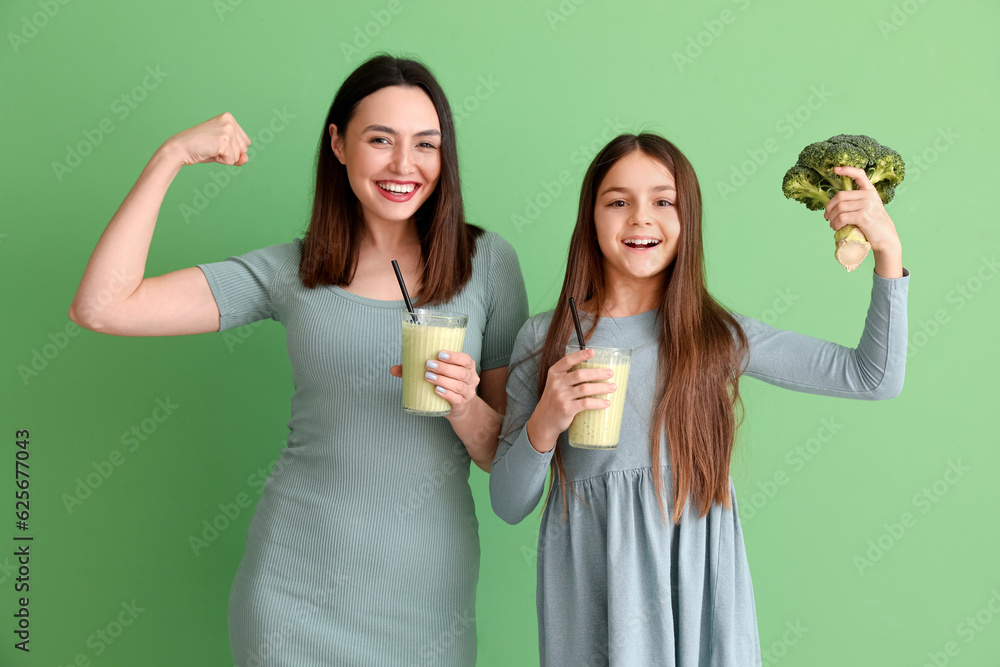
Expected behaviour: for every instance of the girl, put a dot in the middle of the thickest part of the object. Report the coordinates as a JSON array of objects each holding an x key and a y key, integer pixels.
[
  {"x": 641, "y": 558},
  {"x": 345, "y": 562}
]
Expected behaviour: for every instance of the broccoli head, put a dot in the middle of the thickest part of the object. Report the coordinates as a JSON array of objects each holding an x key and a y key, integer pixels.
[
  {"x": 888, "y": 168},
  {"x": 813, "y": 182},
  {"x": 865, "y": 143},
  {"x": 802, "y": 184},
  {"x": 881, "y": 164}
]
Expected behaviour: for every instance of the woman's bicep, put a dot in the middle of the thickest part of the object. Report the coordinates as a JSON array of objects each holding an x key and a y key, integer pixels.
[{"x": 176, "y": 303}]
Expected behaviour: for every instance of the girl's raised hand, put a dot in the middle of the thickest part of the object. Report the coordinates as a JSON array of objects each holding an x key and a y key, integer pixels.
[
  {"x": 863, "y": 208},
  {"x": 219, "y": 139},
  {"x": 567, "y": 392}
]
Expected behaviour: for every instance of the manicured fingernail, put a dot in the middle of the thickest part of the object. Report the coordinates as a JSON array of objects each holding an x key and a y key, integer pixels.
[
  {"x": 439, "y": 390},
  {"x": 607, "y": 403},
  {"x": 444, "y": 355},
  {"x": 431, "y": 363},
  {"x": 431, "y": 376}
]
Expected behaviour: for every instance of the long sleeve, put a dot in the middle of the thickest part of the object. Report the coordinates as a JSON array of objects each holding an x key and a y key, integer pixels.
[
  {"x": 874, "y": 370},
  {"x": 517, "y": 477}
]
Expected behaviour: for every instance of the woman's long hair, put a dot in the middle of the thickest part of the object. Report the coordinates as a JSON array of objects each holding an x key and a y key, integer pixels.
[
  {"x": 701, "y": 346},
  {"x": 333, "y": 240}
]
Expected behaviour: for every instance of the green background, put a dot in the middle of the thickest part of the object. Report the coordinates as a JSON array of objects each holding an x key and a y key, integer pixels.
[{"x": 554, "y": 81}]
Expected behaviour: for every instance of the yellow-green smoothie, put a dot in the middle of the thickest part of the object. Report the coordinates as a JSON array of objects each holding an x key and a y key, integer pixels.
[
  {"x": 423, "y": 340},
  {"x": 599, "y": 429}
]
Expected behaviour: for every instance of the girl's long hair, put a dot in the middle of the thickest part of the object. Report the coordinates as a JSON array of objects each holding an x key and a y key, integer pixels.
[
  {"x": 701, "y": 346},
  {"x": 333, "y": 240}
]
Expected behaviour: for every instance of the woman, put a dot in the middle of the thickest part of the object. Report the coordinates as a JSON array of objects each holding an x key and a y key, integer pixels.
[
  {"x": 364, "y": 546},
  {"x": 641, "y": 559}
]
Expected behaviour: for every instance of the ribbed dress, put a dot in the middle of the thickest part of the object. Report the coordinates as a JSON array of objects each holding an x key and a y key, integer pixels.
[
  {"x": 364, "y": 547},
  {"x": 617, "y": 585}
]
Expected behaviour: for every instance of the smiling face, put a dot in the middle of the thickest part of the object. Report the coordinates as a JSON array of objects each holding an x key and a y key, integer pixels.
[
  {"x": 392, "y": 152},
  {"x": 635, "y": 218}
]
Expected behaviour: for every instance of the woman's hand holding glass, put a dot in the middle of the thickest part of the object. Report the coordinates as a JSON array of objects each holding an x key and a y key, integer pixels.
[{"x": 455, "y": 378}]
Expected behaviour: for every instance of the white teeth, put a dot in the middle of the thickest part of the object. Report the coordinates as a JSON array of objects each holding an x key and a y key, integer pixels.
[
  {"x": 395, "y": 187},
  {"x": 641, "y": 242}
]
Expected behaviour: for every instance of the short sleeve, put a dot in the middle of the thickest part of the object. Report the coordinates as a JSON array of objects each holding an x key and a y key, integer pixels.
[
  {"x": 507, "y": 302},
  {"x": 244, "y": 285}
]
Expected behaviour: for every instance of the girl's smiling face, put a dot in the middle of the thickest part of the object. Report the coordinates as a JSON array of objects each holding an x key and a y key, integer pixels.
[
  {"x": 635, "y": 218},
  {"x": 391, "y": 151}
]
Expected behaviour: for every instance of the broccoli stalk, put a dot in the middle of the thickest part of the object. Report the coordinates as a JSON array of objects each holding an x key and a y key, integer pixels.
[{"x": 812, "y": 181}]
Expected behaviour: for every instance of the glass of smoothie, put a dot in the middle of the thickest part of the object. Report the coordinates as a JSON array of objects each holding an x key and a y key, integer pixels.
[
  {"x": 425, "y": 334},
  {"x": 599, "y": 429}
]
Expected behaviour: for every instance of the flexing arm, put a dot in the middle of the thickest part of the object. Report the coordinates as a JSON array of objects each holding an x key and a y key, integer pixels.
[{"x": 113, "y": 296}]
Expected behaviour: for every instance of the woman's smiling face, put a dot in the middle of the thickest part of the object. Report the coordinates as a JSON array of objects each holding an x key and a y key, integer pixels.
[
  {"x": 391, "y": 151},
  {"x": 635, "y": 218}
]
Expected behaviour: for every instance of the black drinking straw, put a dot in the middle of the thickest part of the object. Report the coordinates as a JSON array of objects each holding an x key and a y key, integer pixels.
[
  {"x": 576, "y": 323},
  {"x": 402, "y": 288}
]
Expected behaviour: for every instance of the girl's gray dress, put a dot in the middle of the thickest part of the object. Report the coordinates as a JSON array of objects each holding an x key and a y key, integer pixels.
[
  {"x": 364, "y": 548},
  {"x": 617, "y": 585}
]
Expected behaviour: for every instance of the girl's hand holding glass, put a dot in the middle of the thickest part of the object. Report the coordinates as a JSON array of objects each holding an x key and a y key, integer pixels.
[{"x": 566, "y": 394}]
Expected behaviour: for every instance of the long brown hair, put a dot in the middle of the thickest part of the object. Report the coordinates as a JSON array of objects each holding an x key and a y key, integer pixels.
[
  {"x": 333, "y": 240},
  {"x": 701, "y": 346}
]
